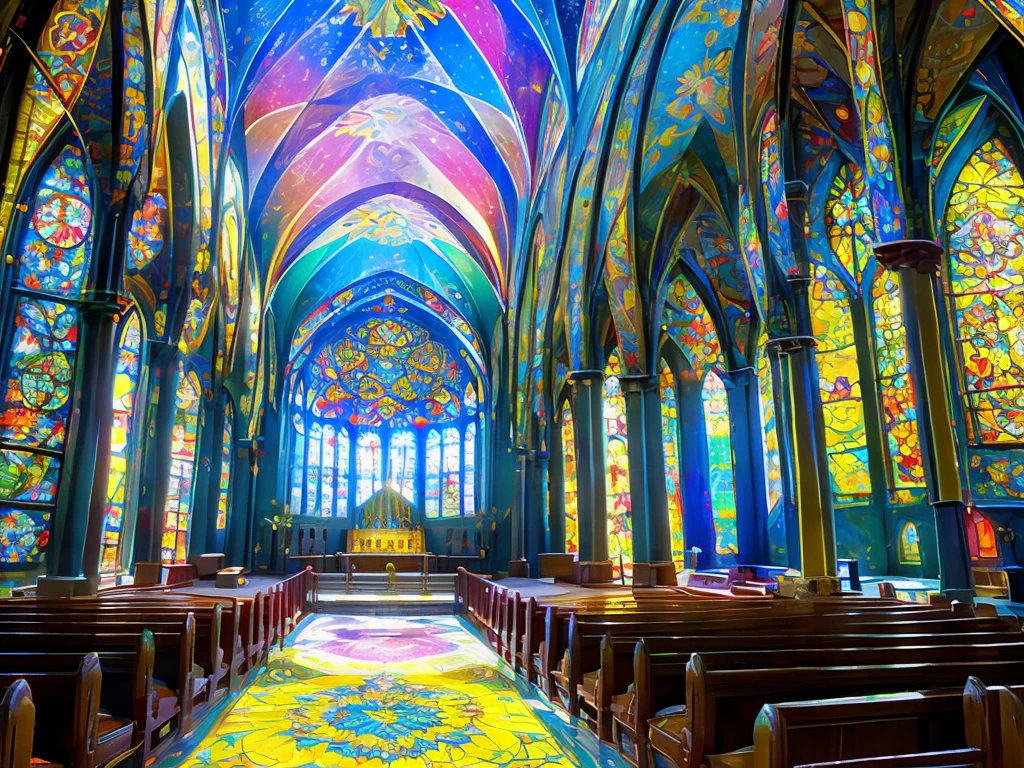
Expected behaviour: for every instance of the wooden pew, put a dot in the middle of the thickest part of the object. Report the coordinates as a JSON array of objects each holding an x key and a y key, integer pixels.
[
  {"x": 17, "y": 725},
  {"x": 68, "y": 703},
  {"x": 995, "y": 722},
  {"x": 961, "y": 758},
  {"x": 175, "y": 689},
  {"x": 722, "y": 705},
  {"x": 609, "y": 686}
]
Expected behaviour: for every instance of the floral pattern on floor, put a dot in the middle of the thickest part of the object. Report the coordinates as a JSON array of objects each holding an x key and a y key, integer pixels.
[{"x": 380, "y": 693}]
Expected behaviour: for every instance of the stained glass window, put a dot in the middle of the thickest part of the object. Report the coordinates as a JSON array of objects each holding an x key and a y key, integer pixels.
[
  {"x": 178, "y": 510},
  {"x": 126, "y": 382},
  {"x": 368, "y": 466},
  {"x": 327, "y": 468},
  {"x": 670, "y": 437},
  {"x": 469, "y": 465},
  {"x": 313, "y": 442},
  {"x": 572, "y": 531},
  {"x": 981, "y": 536},
  {"x": 226, "y": 449},
  {"x": 451, "y": 463},
  {"x": 849, "y": 221},
  {"x": 985, "y": 282},
  {"x": 896, "y": 390},
  {"x": 298, "y": 465},
  {"x": 839, "y": 382},
  {"x": 720, "y": 468},
  {"x": 402, "y": 463},
  {"x": 620, "y": 527},
  {"x": 910, "y": 545},
  {"x": 433, "y": 472},
  {"x": 342, "y": 453},
  {"x": 772, "y": 461}
]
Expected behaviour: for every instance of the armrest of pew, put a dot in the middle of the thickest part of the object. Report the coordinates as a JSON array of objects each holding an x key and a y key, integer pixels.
[
  {"x": 17, "y": 726},
  {"x": 186, "y": 662}
]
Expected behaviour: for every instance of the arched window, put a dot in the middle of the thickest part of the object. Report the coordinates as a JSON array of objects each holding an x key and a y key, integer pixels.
[
  {"x": 327, "y": 465},
  {"x": 839, "y": 381},
  {"x": 433, "y": 470},
  {"x": 126, "y": 382},
  {"x": 451, "y": 463},
  {"x": 314, "y": 442},
  {"x": 720, "y": 469},
  {"x": 620, "y": 526},
  {"x": 402, "y": 463},
  {"x": 178, "y": 510},
  {"x": 981, "y": 536},
  {"x": 910, "y": 545},
  {"x": 298, "y": 464},
  {"x": 342, "y": 453},
  {"x": 572, "y": 530},
  {"x": 227, "y": 449},
  {"x": 368, "y": 466},
  {"x": 670, "y": 436},
  {"x": 469, "y": 464},
  {"x": 985, "y": 227}
]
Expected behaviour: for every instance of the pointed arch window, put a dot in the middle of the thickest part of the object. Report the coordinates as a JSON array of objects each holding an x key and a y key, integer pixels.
[
  {"x": 328, "y": 462},
  {"x": 620, "y": 526},
  {"x": 670, "y": 437},
  {"x": 910, "y": 545},
  {"x": 298, "y": 464},
  {"x": 469, "y": 465},
  {"x": 342, "y": 454},
  {"x": 402, "y": 463},
  {"x": 721, "y": 481},
  {"x": 985, "y": 229},
  {"x": 226, "y": 466},
  {"x": 178, "y": 509},
  {"x": 314, "y": 443},
  {"x": 981, "y": 536},
  {"x": 126, "y": 383},
  {"x": 368, "y": 466},
  {"x": 433, "y": 471},
  {"x": 572, "y": 529},
  {"x": 451, "y": 466}
]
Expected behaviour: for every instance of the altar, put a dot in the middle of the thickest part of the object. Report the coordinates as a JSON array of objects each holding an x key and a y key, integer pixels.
[{"x": 385, "y": 526}]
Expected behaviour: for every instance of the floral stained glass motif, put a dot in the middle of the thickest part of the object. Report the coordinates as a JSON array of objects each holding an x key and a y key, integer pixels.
[
  {"x": 898, "y": 400},
  {"x": 28, "y": 476},
  {"x": 985, "y": 281},
  {"x": 126, "y": 382},
  {"x": 670, "y": 437},
  {"x": 840, "y": 385},
  {"x": 572, "y": 524},
  {"x": 620, "y": 526},
  {"x": 451, "y": 464},
  {"x": 721, "y": 481},
  {"x": 772, "y": 460},
  {"x": 433, "y": 475},
  {"x": 39, "y": 373},
  {"x": 178, "y": 511},
  {"x": 368, "y": 466},
  {"x": 24, "y": 535},
  {"x": 226, "y": 451},
  {"x": 56, "y": 244},
  {"x": 402, "y": 464},
  {"x": 848, "y": 220}
]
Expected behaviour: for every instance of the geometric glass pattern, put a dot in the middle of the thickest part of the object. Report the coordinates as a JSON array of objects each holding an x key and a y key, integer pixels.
[
  {"x": 226, "y": 449},
  {"x": 184, "y": 437},
  {"x": 620, "y": 526},
  {"x": 720, "y": 469},
  {"x": 772, "y": 461},
  {"x": 432, "y": 508},
  {"x": 126, "y": 382},
  {"x": 572, "y": 531},
  {"x": 985, "y": 282},
  {"x": 670, "y": 437}
]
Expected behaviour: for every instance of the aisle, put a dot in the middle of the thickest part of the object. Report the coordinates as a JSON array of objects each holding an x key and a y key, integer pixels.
[{"x": 385, "y": 693}]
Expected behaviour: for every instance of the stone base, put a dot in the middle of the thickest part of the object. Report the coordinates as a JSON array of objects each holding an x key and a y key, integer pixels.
[
  {"x": 594, "y": 572},
  {"x": 519, "y": 569},
  {"x": 65, "y": 586},
  {"x": 809, "y": 587}
]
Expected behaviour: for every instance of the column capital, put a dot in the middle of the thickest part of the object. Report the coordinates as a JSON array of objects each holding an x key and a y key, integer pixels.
[
  {"x": 638, "y": 383},
  {"x": 585, "y": 376},
  {"x": 787, "y": 345},
  {"x": 923, "y": 256}
]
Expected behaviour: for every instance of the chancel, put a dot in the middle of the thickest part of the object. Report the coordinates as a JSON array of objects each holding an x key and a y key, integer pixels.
[{"x": 527, "y": 383}]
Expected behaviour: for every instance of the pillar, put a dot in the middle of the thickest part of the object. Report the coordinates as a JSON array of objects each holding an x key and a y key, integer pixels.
[
  {"x": 640, "y": 479},
  {"x": 535, "y": 529},
  {"x": 519, "y": 504},
  {"x": 917, "y": 263},
  {"x": 783, "y": 420},
  {"x": 658, "y": 524},
  {"x": 748, "y": 469},
  {"x": 590, "y": 465}
]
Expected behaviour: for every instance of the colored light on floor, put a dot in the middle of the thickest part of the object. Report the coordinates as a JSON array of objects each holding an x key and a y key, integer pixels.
[{"x": 382, "y": 693}]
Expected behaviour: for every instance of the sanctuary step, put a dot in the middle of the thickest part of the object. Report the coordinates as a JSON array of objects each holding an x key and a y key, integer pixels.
[{"x": 370, "y": 594}]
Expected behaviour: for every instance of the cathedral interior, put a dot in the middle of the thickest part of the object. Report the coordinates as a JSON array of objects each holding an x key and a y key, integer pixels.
[{"x": 583, "y": 383}]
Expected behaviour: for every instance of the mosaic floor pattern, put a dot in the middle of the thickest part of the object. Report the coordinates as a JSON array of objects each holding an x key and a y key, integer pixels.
[{"x": 383, "y": 693}]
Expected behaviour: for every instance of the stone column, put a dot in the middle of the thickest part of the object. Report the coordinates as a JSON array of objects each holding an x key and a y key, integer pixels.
[
  {"x": 658, "y": 526},
  {"x": 640, "y": 480},
  {"x": 516, "y": 563},
  {"x": 534, "y": 509},
  {"x": 748, "y": 470},
  {"x": 917, "y": 262},
  {"x": 590, "y": 465}
]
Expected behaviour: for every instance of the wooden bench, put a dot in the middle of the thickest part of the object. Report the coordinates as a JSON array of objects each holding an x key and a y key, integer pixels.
[
  {"x": 17, "y": 725},
  {"x": 995, "y": 722},
  {"x": 961, "y": 758}
]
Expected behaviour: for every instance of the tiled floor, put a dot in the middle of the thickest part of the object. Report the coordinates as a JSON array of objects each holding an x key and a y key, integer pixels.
[{"x": 386, "y": 693}]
